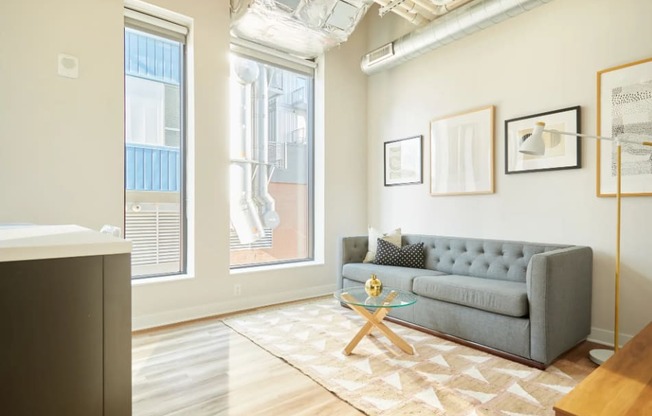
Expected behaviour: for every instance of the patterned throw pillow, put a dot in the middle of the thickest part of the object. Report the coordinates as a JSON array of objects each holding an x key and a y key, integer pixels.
[
  {"x": 407, "y": 256},
  {"x": 393, "y": 237}
]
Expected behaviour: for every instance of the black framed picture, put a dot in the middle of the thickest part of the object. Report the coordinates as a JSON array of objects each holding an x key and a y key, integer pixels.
[
  {"x": 403, "y": 161},
  {"x": 561, "y": 152}
]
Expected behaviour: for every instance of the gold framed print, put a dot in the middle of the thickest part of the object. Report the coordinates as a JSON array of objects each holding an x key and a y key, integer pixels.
[{"x": 625, "y": 107}]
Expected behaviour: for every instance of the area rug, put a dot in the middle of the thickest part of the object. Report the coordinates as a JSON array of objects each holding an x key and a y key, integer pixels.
[{"x": 379, "y": 379}]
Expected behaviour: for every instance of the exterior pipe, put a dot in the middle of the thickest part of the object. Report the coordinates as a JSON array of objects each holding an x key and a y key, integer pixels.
[
  {"x": 244, "y": 212},
  {"x": 453, "y": 26},
  {"x": 263, "y": 198}
]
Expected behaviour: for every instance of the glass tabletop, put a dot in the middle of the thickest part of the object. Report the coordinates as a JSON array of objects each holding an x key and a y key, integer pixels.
[{"x": 389, "y": 298}]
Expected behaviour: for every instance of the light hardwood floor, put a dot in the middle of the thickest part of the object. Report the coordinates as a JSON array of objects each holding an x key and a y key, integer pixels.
[{"x": 203, "y": 368}]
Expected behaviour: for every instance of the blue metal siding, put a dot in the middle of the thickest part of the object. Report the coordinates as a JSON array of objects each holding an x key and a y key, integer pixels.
[
  {"x": 152, "y": 57},
  {"x": 152, "y": 168}
]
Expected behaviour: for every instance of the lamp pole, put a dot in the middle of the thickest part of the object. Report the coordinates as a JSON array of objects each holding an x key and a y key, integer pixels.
[
  {"x": 599, "y": 356},
  {"x": 534, "y": 146},
  {"x": 617, "y": 279}
]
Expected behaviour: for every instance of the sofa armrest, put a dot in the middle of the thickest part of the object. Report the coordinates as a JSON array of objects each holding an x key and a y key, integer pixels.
[
  {"x": 559, "y": 286},
  {"x": 354, "y": 250}
]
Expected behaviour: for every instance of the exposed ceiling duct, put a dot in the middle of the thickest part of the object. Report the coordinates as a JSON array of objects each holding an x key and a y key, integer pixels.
[
  {"x": 306, "y": 28},
  {"x": 453, "y": 26}
]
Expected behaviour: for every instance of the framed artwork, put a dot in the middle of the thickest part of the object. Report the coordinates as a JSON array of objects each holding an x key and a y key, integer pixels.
[
  {"x": 561, "y": 152},
  {"x": 625, "y": 107},
  {"x": 403, "y": 164},
  {"x": 462, "y": 153}
]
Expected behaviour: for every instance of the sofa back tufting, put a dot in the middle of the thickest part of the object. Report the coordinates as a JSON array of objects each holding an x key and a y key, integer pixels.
[{"x": 494, "y": 259}]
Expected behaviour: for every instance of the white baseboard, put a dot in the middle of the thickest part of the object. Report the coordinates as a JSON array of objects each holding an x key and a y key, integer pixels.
[
  {"x": 606, "y": 337},
  {"x": 228, "y": 306}
]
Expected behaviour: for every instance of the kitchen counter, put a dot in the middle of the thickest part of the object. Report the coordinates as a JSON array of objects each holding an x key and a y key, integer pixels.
[
  {"x": 31, "y": 242},
  {"x": 65, "y": 296}
]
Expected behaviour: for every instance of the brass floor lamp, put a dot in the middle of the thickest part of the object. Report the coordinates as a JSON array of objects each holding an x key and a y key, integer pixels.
[{"x": 534, "y": 145}]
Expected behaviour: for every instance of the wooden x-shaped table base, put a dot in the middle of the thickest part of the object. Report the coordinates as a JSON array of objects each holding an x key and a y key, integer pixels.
[{"x": 374, "y": 320}]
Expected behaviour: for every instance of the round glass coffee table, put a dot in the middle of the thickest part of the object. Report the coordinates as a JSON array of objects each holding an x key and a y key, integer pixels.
[{"x": 358, "y": 300}]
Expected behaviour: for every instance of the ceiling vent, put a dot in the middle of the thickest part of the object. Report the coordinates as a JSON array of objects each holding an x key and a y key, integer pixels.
[
  {"x": 377, "y": 55},
  {"x": 305, "y": 28},
  {"x": 448, "y": 28}
]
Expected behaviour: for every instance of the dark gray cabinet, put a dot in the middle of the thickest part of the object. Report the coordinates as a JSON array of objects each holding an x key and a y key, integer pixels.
[{"x": 65, "y": 336}]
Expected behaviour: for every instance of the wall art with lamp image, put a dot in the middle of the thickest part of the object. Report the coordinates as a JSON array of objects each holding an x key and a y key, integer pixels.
[
  {"x": 559, "y": 153},
  {"x": 534, "y": 145}
]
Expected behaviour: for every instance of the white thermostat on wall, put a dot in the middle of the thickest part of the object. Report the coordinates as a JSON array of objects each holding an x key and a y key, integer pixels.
[{"x": 68, "y": 66}]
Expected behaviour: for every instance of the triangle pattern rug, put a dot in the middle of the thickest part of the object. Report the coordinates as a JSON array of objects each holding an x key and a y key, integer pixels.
[{"x": 379, "y": 379}]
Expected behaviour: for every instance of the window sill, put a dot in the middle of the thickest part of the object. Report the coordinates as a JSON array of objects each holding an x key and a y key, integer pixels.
[
  {"x": 285, "y": 266},
  {"x": 160, "y": 279}
]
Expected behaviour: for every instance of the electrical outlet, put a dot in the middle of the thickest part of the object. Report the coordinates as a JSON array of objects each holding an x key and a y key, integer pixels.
[{"x": 237, "y": 290}]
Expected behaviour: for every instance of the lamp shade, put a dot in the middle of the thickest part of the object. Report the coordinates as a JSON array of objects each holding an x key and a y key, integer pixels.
[{"x": 533, "y": 145}]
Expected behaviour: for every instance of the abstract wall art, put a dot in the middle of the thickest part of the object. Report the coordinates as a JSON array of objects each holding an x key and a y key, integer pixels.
[
  {"x": 625, "y": 108},
  {"x": 462, "y": 153}
]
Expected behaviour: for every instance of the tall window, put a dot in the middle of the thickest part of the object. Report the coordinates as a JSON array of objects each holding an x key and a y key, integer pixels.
[
  {"x": 271, "y": 173},
  {"x": 154, "y": 144}
]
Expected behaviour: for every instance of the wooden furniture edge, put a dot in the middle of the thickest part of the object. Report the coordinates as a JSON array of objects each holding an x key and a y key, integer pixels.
[{"x": 621, "y": 385}]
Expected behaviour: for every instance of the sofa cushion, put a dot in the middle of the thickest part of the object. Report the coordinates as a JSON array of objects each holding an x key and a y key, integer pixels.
[
  {"x": 391, "y": 276},
  {"x": 406, "y": 256},
  {"x": 498, "y": 296}
]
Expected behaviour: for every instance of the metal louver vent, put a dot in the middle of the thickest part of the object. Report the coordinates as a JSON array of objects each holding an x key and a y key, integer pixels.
[
  {"x": 381, "y": 53},
  {"x": 265, "y": 242},
  {"x": 155, "y": 232}
]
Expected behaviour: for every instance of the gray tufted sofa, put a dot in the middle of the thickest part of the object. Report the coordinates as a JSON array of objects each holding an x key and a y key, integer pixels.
[{"x": 529, "y": 302}]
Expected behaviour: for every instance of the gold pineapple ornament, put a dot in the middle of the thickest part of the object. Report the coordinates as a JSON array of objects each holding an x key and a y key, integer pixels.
[{"x": 373, "y": 286}]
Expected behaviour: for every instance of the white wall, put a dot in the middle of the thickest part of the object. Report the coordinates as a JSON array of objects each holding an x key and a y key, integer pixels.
[
  {"x": 60, "y": 137},
  {"x": 543, "y": 60},
  {"x": 61, "y": 142},
  {"x": 61, "y": 147}
]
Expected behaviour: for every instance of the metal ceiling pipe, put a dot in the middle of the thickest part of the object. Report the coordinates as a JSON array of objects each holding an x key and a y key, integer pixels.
[
  {"x": 453, "y": 26},
  {"x": 414, "y": 7},
  {"x": 426, "y": 4},
  {"x": 454, "y": 4},
  {"x": 415, "y": 19}
]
